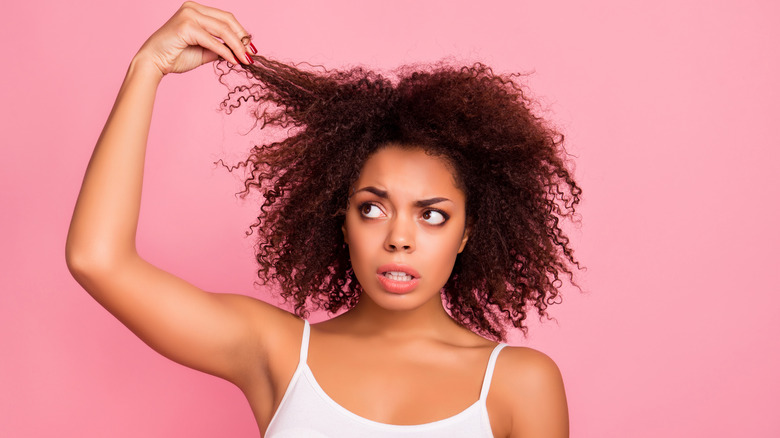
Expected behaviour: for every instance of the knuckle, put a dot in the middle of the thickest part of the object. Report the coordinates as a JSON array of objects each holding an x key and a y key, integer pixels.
[
  {"x": 187, "y": 26},
  {"x": 187, "y": 11},
  {"x": 224, "y": 27}
]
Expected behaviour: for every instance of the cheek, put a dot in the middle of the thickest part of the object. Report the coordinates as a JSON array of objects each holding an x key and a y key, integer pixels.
[
  {"x": 360, "y": 241},
  {"x": 441, "y": 252}
]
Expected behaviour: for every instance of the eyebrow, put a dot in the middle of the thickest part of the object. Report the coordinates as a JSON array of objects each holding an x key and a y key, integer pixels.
[{"x": 383, "y": 194}]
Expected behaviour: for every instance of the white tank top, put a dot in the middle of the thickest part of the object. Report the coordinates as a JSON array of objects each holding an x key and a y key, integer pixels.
[{"x": 306, "y": 411}]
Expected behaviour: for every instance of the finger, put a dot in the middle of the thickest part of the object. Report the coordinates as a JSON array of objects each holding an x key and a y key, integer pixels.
[
  {"x": 226, "y": 17},
  {"x": 196, "y": 35},
  {"x": 223, "y": 31}
]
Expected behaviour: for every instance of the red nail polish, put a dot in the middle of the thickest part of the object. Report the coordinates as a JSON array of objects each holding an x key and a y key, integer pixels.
[
  {"x": 249, "y": 58},
  {"x": 237, "y": 63},
  {"x": 254, "y": 49}
]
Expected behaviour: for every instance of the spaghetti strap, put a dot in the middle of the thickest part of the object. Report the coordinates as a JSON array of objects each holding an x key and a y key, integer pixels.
[
  {"x": 489, "y": 372},
  {"x": 305, "y": 398},
  {"x": 304, "y": 343}
]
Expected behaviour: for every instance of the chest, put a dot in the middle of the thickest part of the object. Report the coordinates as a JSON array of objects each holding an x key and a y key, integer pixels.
[
  {"x": 385, "y": 387},
  {"x": 400, "y": 384}
]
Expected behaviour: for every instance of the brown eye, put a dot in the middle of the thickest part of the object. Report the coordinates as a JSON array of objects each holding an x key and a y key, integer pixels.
[
  {"x": 370, "y": 211},
  {"x": 434, "y": 217}
]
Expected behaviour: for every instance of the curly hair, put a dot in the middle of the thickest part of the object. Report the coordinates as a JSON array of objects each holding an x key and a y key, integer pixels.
[{"x": 509, "y": 162}]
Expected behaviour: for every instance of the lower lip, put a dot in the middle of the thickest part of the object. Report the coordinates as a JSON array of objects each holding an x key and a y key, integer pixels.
[{"x": 397, "y": 287}]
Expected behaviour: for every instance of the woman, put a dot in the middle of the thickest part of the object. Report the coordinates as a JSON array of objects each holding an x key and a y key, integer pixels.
[{"x": 393, "y": 201}]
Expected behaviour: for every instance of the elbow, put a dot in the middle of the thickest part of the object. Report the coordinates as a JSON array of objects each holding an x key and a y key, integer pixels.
[
  {"x": 83, "y": 264},
  {"x": 79, "y": 262},
  {"x": 89, "y": 262}
]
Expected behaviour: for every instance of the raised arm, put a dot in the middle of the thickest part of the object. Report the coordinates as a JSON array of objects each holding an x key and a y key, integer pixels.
[{"x": 209, "y": 332}]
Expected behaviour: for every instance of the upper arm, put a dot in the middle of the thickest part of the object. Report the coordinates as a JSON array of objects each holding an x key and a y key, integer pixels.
[
  {"x": 220, "y": 334},
  {"x": 531, "y": 387}
]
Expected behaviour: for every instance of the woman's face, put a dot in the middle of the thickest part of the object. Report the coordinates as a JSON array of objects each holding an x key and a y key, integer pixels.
[{"x": 405, "y": 225}]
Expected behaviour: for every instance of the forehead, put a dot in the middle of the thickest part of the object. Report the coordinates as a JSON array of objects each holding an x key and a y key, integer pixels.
[{"x": 409, "y": 171}]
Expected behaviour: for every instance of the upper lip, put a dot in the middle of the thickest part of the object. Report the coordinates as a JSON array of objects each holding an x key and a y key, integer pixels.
[{"x": 395, "y": 267}]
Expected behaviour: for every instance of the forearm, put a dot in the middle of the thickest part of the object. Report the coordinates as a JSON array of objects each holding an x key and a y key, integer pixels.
[{"x": 105, "y": 218}]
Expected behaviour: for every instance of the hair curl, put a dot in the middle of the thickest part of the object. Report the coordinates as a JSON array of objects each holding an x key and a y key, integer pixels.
[{"x": 509, "y": 162}]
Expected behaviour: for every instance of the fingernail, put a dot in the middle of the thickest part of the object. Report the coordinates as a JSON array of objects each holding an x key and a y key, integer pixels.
[
  {"x": 249, "y": 58},
  {"x": 254, "y": 49},
  {"x": 234, "y": 57}
]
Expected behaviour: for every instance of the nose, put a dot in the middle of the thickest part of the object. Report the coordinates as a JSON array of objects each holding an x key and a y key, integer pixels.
[{"x": 400, "y": 236}]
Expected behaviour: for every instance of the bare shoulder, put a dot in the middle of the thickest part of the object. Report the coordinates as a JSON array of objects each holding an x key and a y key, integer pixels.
[
  {"x": 527, "y": 370},
  {"x": 269, "y": 332},
  {"x": 270, "y": 326},
  {"x": 528, "y": 388},
  {"x": 260, "y": 313}
]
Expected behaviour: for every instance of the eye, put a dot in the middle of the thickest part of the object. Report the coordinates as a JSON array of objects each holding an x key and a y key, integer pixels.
[
  {"x": 370, "y": 211},
  {"x": 435, "y": 217}
]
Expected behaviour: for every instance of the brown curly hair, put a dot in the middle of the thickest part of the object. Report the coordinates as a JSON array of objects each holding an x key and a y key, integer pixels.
[{"x": 509, "y": 162}]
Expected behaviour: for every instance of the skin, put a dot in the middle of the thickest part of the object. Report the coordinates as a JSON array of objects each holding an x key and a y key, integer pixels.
[
  {"x": 389, "y": 345},
  {"x": 405, "y": 210}
]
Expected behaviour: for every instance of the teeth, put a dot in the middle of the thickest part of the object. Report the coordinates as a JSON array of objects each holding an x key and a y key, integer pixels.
[{"x": 398, "y": 276}]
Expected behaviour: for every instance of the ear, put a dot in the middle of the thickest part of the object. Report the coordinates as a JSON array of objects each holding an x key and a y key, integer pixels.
[
  {"x": 464, "y": 240},
  {"x": 344, "y": 232}
]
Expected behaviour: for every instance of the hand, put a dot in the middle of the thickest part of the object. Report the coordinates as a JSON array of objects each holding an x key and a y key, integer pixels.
[{"x": 195, "y": 35}]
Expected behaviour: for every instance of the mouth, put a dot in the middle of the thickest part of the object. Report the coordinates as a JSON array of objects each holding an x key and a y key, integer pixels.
[
  {"x": 398, "y": 276},
  {"x": 398, "y": 272},
  {"x": 398, "y": 279}
]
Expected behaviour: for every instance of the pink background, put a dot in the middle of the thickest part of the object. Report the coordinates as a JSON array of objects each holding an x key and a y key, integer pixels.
[{"x": 671, "y": 108}]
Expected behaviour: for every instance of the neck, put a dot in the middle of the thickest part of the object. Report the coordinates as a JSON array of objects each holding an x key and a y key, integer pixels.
[{"x": 430, "y": 320}]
